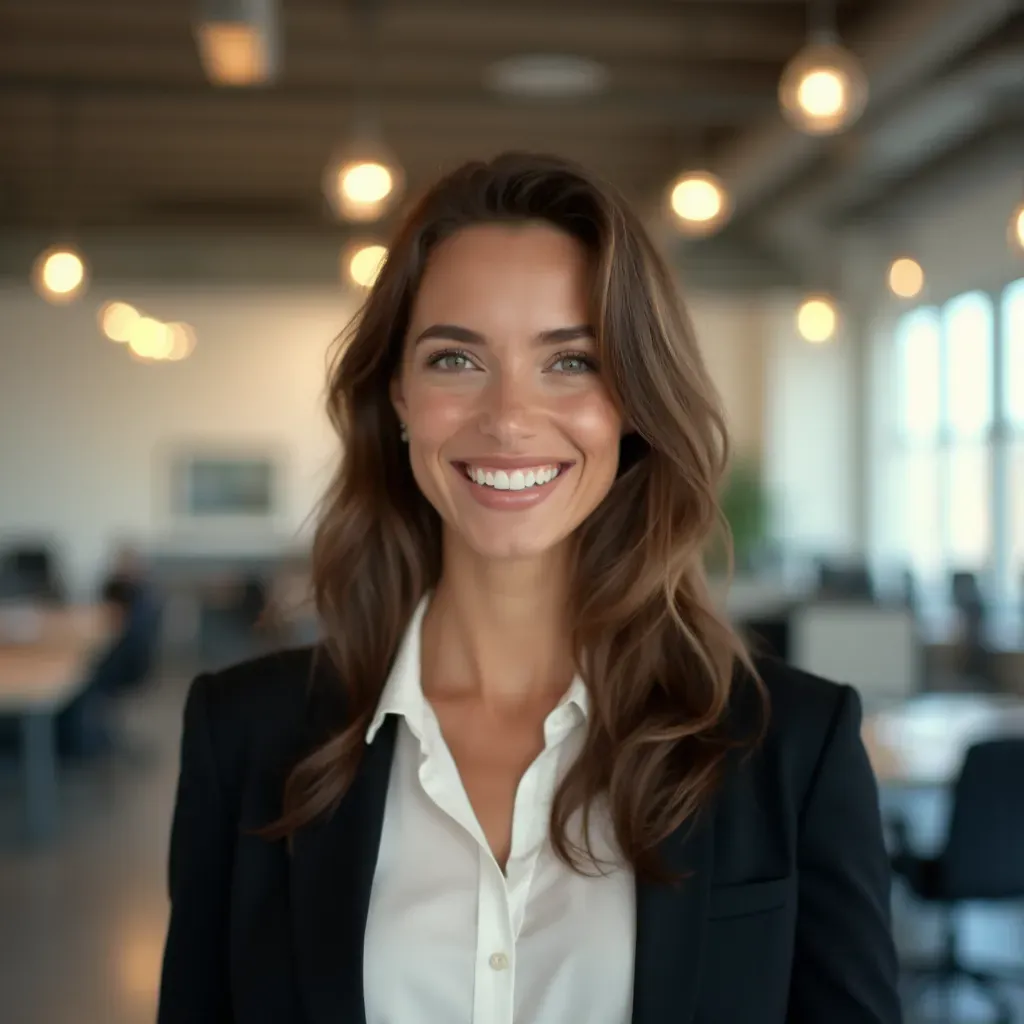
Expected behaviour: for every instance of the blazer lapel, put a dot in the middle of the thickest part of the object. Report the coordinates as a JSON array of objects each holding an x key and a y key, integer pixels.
[
  {"x": 332, "y": 870},
  {"x": 670, "y": 926}
]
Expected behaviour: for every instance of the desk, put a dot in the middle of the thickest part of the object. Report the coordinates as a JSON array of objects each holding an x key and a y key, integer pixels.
[
  {"x": 38, "y": 679},
  {"x": 923, "y": 741}
]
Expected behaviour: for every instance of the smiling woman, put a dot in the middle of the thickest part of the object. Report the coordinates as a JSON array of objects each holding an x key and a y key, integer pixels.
[
  {"x": 530, "y": 776},
  {"x": 499, "y": 385}
]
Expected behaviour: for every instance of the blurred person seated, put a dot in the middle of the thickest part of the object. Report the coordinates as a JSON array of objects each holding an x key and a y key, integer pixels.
[{"x": 129, "y": 599}]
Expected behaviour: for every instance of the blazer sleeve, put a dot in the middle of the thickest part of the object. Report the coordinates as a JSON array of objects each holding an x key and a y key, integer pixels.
[
  {"x": 194, "y": 984},
  {"x": 845, "y": 969}
]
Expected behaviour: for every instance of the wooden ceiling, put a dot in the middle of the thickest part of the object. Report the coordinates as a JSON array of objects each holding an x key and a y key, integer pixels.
[{"x": 116, "y": 88}]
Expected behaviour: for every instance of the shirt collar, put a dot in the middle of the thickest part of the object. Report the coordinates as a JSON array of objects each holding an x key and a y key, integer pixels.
[{"x": 403, "y": 691}]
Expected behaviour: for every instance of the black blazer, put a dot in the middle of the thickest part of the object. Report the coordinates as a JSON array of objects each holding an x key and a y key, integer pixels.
[{"x": 784, "y": 918}]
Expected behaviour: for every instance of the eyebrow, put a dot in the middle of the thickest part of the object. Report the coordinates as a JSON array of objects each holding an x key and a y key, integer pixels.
[{"x": 453, "y": 332}]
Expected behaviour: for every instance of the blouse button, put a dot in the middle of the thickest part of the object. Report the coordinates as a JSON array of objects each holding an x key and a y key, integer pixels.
[{"x": 498, "y": 961}]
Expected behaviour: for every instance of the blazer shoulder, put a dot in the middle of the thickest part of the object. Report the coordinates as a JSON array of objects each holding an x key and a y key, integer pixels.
[
  {"x": 800, "y": 700},
  {"x": 805, "y": 714},
  {"x": 264, "y": 703}
]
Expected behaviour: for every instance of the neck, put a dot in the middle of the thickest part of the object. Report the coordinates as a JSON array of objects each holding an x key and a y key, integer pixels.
[{"x": 498, "y": 631}]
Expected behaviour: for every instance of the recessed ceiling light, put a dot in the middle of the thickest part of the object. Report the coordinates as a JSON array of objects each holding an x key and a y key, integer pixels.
[{"x": 546, "y": 76}]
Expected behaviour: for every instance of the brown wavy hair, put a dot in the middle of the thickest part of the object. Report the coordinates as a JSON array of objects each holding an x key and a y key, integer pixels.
[{"x": 659, "y": 660}]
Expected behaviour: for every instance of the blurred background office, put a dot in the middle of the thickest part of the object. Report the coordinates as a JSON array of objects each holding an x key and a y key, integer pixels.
[{"x": 194, "y": 195}]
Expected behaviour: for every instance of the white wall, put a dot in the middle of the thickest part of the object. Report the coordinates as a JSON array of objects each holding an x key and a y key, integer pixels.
[
  {"x": 810, "y": 435},
  {"x": 88, "y": 434},
  {"x": 732, "y": 337}
]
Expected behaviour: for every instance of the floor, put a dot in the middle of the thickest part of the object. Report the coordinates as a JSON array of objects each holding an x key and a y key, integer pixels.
[{"x": 83, "y": 921}]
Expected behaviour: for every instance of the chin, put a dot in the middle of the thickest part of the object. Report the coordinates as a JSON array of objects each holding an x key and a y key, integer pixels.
[{"x": 509, "y": 545}]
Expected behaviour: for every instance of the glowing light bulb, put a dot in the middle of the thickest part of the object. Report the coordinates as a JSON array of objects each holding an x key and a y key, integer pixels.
[
  {"x": 117, "y": 319},
  {"x": 59, "y": 275},
  {"x": 362, "y": 186},
  {"x": 823, "y": 89},
  {"x": 150, "y": 339},
  {"x": 1016, "y": 228},
  {"x": 183, "y": 341},
  {"x": 700, "y": 203},
  {"x": 364, "y": 264},
  {"x": 906, "y": 277},
  {"x": 822, "y": 93},
  {"x": 816, "y": 320},
  {"x": 366, "y": 182}
]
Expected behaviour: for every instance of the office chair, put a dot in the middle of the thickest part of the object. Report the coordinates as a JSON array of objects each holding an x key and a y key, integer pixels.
[
  {"x": 983, "y": 858},
  {"x": 844, "y": 581},
  {"x": 30, "y": 574},
  {"x": 969, "y": 601}
]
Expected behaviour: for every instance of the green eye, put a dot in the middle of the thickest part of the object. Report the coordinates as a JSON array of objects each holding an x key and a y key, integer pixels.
[
  {"x": 573, "y": 363},
  {"x": 450, "y": 361}
]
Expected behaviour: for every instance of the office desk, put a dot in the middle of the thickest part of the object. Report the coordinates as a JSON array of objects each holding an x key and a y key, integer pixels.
[
  {"x": 922, "y": 742},
  {"x": 38, "y": 679}
]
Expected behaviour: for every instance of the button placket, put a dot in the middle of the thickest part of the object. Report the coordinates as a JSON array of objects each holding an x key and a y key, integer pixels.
[{"x": 494, "y": 989}]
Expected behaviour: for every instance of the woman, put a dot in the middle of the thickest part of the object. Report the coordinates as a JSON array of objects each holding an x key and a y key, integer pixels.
[{"x": 530, "y": 776}]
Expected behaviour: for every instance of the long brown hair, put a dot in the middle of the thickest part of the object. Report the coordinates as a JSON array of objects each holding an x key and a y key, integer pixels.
[{"x": 658, "y": 659}]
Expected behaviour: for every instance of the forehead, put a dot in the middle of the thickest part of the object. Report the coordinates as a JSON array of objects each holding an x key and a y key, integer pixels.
[{"x": 531, "y": 275}]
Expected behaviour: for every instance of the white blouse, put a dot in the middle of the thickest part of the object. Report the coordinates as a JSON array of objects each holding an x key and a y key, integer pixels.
[{"x": 450, "y": 939}]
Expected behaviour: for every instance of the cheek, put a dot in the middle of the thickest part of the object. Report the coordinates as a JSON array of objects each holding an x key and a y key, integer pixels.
[
  {"x": 596, "y": 427},
  {"x": 436, "y": 414}
]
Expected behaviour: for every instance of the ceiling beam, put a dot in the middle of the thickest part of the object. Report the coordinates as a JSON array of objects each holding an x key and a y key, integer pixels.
[
  {"x": 763, "y": 31},
  {"x": 685, "y": 106},
  {"x": 899, "y": 48}
]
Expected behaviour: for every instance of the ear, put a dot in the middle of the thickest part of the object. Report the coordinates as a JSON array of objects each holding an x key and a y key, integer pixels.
[{"x": 398, "y": 398}]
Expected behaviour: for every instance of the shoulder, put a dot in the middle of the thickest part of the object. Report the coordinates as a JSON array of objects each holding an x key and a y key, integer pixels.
[
  {"x": 802, "y": 705},
  {"x": 806, "y": 717},
  {"x": 265, "y": 703}
]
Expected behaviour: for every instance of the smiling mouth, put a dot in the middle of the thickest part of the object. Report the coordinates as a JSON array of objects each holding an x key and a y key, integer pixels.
[{"x": 520, "y": 479}]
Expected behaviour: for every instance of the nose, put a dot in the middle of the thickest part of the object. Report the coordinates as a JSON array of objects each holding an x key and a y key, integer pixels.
[{"x": 508, "y": 408}]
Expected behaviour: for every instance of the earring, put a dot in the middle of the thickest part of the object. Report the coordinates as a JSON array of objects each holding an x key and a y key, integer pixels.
[{"x": 403, "y": 433}]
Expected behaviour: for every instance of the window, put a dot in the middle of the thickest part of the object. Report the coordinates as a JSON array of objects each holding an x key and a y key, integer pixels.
[
  {"x": 1013, "y": 354},
  {"x": 969, "y": 339},
  {"x": 952, "y": 473},
  {"x": 1011, "y": 460}
]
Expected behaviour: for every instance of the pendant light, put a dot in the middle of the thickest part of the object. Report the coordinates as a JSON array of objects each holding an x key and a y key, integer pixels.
[
  {"x": 1015, "y": 229},
  {"x": 60, "y": 274},
  {"x": 700, "y": 203},
  {"x": 363, "y": 179},
  {"x": 361, "y": 263},
  {"x": 823, "y": 89},
  {"x": 817, "y": 319},
  {"x": 238, "y": 41},
  {"x": 905, "y": 277}
]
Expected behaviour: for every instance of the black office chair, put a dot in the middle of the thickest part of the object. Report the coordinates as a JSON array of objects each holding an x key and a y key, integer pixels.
[
  {"x": 975, "y": 660},
  {"x": 844, "y": 581},
  {"x": 30, "y": 574},
  {"x": 983, "y": 858}
]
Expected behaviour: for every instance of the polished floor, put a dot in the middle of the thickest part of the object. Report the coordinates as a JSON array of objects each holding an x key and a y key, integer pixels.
[{"x": 82, "y": 920}]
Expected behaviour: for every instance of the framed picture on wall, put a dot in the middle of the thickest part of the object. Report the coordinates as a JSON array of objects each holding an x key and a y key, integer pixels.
[{"x": 218, "y": 485}]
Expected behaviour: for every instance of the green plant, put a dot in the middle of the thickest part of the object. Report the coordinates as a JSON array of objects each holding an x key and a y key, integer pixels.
[{"x": 744, "y": 504}]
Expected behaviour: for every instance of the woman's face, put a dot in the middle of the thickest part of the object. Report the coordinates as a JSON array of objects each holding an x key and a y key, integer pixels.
[{"x": 513, "y": 436}]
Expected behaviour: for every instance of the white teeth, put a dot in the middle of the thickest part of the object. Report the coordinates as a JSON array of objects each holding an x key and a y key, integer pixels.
[{"x": 515, "y": 480}]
